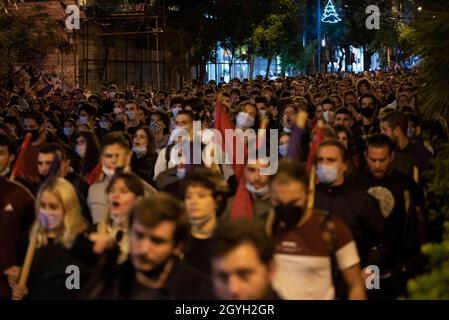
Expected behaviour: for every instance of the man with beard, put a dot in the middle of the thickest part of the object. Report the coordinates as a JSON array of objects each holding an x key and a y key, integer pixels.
[
  {"x": 158, "y": 231},
  {"x": 401, "y": 202},
  {"x": 409, "y": 154}
]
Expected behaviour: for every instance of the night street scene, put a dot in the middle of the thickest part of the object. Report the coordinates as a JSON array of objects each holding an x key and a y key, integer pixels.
[{"x": 207, "y": 153}]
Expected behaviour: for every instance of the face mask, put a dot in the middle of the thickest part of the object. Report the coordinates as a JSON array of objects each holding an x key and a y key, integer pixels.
[
  {"x": 262, "y": 113},
  {"x": 5, "y": 172},
  {"x": 105, "y": 125},
  {"x": 83, "y": 120},
  {"x": 257, "y": 192},
  {"x": 111, "y": 95},
  {"x": 34, "y": 134},
  {"x": 108, "y": 172},
  {"x": 68, "y": 132},
  {"x": 140, "y": 151},
  {"x": 289, "y": 214},
  {"x": 118, "y": 110},
  {"x": 180, "y": 173},
  {"x": 327, "y": 174},
  {"x": 198, "y": 222},
  {"x": 131, "y": 115},
  {"x": 155, "y": 127},
  {"x": 175, "y": 111},
  {"x": 119, "y": 126},
  {"x": 244, "y": 120},
  {"x": 328, "y": 116},
  {"x": 410, "y": 132},
  {"x": 367, "y": 112},
  {"x": 81, "y": 150},
  {"x": 288, "y": 130},
  {"x": 118, "y": 219},
  {"x": 49, "y": 222},
  {"x": 283, "y": 149}
]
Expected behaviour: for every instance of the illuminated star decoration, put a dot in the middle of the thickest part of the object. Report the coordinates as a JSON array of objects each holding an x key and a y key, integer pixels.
[{"x": 330, "y": 15}]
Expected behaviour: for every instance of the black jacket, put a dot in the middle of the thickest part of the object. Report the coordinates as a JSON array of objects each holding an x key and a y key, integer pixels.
[{"x": 183, "y": 283}]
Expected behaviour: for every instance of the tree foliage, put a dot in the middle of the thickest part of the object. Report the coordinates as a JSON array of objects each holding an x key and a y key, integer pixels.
[{"x": 27, "y": 41}]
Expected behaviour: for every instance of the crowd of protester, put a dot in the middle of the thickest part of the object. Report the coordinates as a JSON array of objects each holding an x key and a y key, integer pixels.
[{"x": 89, "y": 178}]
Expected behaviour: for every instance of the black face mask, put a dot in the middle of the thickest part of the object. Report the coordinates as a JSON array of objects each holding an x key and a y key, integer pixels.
[
  {"x": 289, "y": 213},
  {"x": 119, "y": 126},
  {"x": 367, "y": 112},
  {"x": 34, "y": 134}
]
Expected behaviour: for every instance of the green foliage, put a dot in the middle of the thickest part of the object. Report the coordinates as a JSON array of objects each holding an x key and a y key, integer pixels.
[
  {"x": 5, "y": 5},
  {"x": 429, "y": 38},
  {"x": 435, "y": 283},
  {"x": 28, "y": 41},
  {"x": 279, "y": 32}
]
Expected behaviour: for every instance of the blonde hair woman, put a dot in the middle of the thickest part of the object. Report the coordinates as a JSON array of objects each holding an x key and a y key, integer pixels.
[{"x": 58, "y": 223}]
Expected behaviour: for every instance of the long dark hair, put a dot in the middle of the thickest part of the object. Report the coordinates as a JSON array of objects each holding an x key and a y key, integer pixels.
[
  {"x": 151, "y": 146},
  {"x": 92, "y": 156}
]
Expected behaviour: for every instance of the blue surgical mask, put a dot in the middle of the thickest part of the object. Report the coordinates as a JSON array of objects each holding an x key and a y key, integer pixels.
[
  {"x": 68, "y": 131},
  {"x": 83, "y": 120},
  {"x": 283, "y": 149},
  {"x": 180, "y": 173},
  {"x": 327, "y": 174}
]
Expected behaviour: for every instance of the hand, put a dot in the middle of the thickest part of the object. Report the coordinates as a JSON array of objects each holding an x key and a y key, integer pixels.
[
  {"x": 13, "y": 275},
  {"x": 19, "y": 291},
  {"x": 101, "y": 242}
]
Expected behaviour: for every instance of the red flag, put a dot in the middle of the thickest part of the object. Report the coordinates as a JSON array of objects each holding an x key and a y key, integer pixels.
[
  {"x": 242, "y": 207},
  {"x": 317, "y": 139},
  {"x": 19, "y": 166},
  {"x": 94, "y": 175}
]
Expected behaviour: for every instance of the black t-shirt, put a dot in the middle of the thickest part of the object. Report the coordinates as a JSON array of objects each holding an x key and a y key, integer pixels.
[
  {"x": 199, "y": 253},
  {"x": 47, "y": 279},
  {"x": 390, "y": 193},
  {"x": 358, "y": 210},
  {"x": 404, "y": 159}
]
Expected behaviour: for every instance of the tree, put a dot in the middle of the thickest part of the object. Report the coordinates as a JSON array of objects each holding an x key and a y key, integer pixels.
[
  {"x": 429, "y": 38},
  {"x": 277, "y": 31},
  {"x": 27, "y": 41},
  {"x": 5, "y": 4}
]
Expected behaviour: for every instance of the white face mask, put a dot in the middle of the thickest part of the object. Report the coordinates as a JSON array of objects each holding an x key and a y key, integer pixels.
[
  {"x": 175, "y": 111},
  {"x": 131, "y": 115},
  {"x": 257, "y": 192},
  {"x": 262, "y": 113},
  {"x": 118, "y": 110},
  {"x": 140, "y": 151},
  {"x": 198, "y": 222},
  {"x": 83, "y": 120},
  {"x": 108, "y": 172},
  {"x": 105, "y": 125},
  {"x": 244, "y": 120},
  {"x": 81, "y": 150},
  {"x": 329, "y": 116},
  {"x": 112, "y": 95},
  {"x": 118, "y": 219},
  {"x": 283, "y": 149},
  {"x": 286, "y": 129}
]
